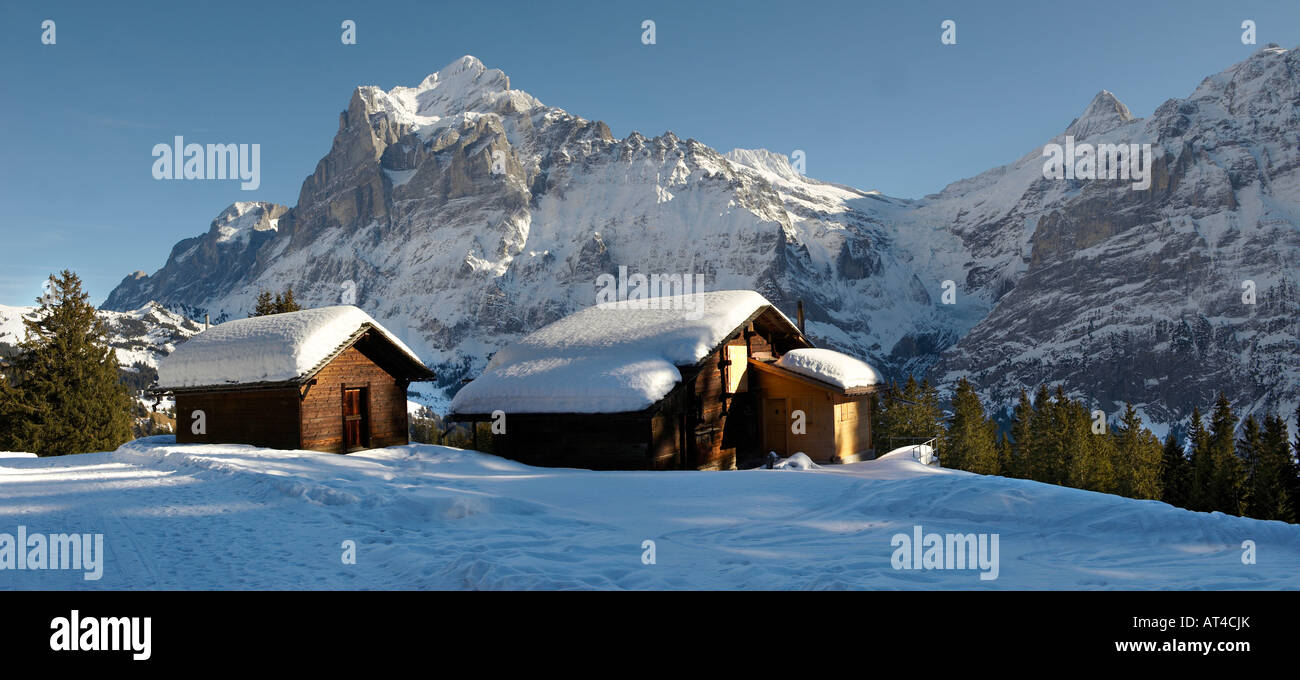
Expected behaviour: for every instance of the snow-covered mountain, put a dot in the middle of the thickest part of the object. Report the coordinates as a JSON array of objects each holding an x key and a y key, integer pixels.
[
  {"x": 140, "y": 336},
  {"x": 462, "y": 213},
  {"x": 1138, "y": 295}
]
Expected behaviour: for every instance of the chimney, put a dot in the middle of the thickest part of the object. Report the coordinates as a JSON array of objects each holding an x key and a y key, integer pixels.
[{"x": 801, "y": 316}]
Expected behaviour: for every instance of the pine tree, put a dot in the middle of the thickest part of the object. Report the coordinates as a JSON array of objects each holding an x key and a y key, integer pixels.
[
  {"x": 1175, "y": 473},
  {"x": 1250, "y": 450},
  {"x": 1148, "y": 482},
  {"x": 912, "y": 413},
  {"x": 277, "y": 304},
  {"x": 68, "y": 392},
  {"x": 11, "y": 412},
  {"x": 1202, "y": 464},
  {"x": 264, "y": 304},
  {"x": 1293, "y": 488},
  {"x": 1137, "y": 457},
  {"x": 970, "y": 443},
  {"x": 1042, "y": 424},
  {"x": 287, "y": 303},
  {"x": 1227, "y": 476},
  {"x": 929, "y": 416},
  {"x": 878, "y": 435},
  {"x": 1268, "y": 462},
  {"x": 883, "y": 426},
  {"x": 1020, "y": 437},
  {"x": 1277, "y": 442},
  {"x": 1063, "y": 438},
  {"x": 1005, "y": 462},
  {"x": 1088, "y": 464}
]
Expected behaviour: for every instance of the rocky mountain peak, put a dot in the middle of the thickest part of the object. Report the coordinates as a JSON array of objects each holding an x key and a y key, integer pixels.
[
  {"x": 463, "y": 86},
  {"x": 241, "y": 219},
  {"x": 1104, "y": 113}
]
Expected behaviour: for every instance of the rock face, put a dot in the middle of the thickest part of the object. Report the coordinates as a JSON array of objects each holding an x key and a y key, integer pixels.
[
  {"x": 462, "y": 213},
  {"x": 227, "y": 255},
  {"x": 1131, "y": 295}
]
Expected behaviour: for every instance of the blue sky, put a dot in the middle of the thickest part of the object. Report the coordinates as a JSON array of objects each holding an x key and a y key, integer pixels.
[{"x": 865, "y": 89}]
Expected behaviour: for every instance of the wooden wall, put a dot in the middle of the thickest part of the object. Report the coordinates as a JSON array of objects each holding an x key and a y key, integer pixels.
[
  {"x": 666, "y": 433},
  {"x": 266, "y": 418},
  {"x": 723, "y": 427},
  {"x": 853, "y": 428},
  {"x": 596, "y": 441},
  {"x": 322, "y": 410},
  {"x": 758, "y": 345},
  {"x": 782, "y": 396},
  {"x": 706, "y": 419}
]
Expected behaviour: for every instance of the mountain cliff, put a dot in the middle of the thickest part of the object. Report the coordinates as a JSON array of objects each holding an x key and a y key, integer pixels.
[{"x": 463, "y": 213}]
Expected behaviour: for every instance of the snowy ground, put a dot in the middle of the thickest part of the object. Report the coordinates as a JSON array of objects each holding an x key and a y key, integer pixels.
[{"x": 182, "y": 517}]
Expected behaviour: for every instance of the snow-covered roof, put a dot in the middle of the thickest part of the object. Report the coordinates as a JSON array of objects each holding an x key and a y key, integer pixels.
[
  {"x": 829, "y": 366},
  {"x": 611, "y": 358},
  {"x": 268, "y": 349}
]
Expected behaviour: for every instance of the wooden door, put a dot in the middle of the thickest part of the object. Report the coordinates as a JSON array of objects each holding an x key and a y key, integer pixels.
[
  {"x": 775, "y": 426},
  {"x": 356, "y": 430}
]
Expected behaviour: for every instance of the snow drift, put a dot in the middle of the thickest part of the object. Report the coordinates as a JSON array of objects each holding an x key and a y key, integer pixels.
[
  {"x": 239, "y": 517},
  {"x": 830, "y": 366}
]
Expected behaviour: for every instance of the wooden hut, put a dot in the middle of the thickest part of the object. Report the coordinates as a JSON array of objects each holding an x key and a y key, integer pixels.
[
  {"x": 690, "y": 382},
  {"x": 329, "y": 379}
]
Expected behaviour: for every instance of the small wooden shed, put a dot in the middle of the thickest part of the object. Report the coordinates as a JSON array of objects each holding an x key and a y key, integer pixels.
[
  {"x": 836, "y": 419},
  {"x": 328, "y": 379},
  {"x": 693, "y": 382}
]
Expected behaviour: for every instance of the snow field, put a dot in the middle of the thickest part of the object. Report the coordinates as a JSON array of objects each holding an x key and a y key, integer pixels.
[{"x": 427, "y": 517}]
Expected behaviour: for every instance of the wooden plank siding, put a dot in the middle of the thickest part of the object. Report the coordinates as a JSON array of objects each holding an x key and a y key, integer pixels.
[
  {"x": 596, "y": 441},
  {"x": 267, "y": 418},
  {"x": 853, "y": 428},
  {"x": 782, "y": 397},
  {"x": 667, "y": 425},
  {"x": 322, "y": 409}
]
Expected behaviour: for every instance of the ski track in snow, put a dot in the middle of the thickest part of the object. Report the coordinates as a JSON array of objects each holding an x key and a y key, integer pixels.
[{"x": 429, "y": 517}]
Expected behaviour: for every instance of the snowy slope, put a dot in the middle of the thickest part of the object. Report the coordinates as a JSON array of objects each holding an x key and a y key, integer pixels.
[{"x": 236, "y": 517}]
